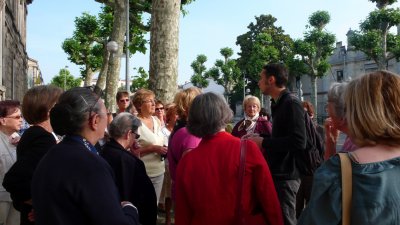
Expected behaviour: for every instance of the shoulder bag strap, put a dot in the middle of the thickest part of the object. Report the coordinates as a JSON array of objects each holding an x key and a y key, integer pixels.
[
  {"x": 345, "y": 165},
  {"x": 239, "y": 209}
]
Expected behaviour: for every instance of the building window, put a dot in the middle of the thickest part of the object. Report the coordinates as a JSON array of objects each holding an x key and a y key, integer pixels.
[{"x": 339, "y": 75}]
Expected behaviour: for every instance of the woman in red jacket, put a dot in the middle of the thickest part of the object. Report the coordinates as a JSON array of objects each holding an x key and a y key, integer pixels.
[{"x": 207, "y": 187}]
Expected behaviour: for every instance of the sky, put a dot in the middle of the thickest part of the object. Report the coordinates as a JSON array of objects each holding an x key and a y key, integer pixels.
[{"x": 208, "y": 27}]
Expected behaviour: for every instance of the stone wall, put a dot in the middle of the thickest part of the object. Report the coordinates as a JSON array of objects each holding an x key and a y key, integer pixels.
[{"x": 14, "y": 56}]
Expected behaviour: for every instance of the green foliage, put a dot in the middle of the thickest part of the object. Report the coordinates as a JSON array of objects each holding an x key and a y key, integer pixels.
[
  {"x": 383, "y": 3},
  {"x": 263, "y": 43},
  {"x": 316, "y": 46},
  {"x": 199, "y": 79},
  {"x": 319, "y": 19},
  {"x": 312, "y": 52},
  {"x": 369, "y": 42},
  {"x": 140, "y": 81},
  {"x": 65, "y": 80},
  {"x": 225, "y": 72},
  {"x": 374, "y": 37},
  {"x": 81, "y": 48},
  {"x": 381, "y": 19}
]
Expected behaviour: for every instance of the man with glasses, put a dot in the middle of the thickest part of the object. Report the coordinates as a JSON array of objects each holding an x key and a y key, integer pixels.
[{"x": 122, "y": 98}]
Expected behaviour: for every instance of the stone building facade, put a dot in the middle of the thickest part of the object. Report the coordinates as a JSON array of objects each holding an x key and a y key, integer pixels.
[
  {"x": 346, "y": 64},
  {"x": 14, "y": 58}
]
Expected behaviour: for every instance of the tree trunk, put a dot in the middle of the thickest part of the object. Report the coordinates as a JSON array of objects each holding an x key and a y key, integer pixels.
[
  {"x": 88, "y": 76},
  {"x": 314, "y": 95},
  {"x": 118, "y": 33},
  {"x": 164, "y": 46},
  {"x": 101, "y": 79},
  {"x": 382, "y": 60}
]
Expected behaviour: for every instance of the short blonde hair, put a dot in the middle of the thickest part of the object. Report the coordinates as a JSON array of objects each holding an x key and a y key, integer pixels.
[
  {"x": 251, "y": 98},
  {"x": 373, "y": 109},
  {"x": 183, "y": 101},
  {"x": 140, "y": 96}
]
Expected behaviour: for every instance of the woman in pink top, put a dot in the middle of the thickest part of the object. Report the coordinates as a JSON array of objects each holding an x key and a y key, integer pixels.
[{"x": 181, "y": 140}]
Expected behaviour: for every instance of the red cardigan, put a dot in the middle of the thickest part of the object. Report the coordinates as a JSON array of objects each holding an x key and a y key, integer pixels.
[{"x": 206, "y": 187}]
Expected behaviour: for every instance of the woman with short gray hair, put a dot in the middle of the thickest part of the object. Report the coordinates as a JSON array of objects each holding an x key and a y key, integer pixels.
[
  {"x": 130, "y": 174},
  {"x": 214, "y": 166},
  {"x": 336, "y": 122}
]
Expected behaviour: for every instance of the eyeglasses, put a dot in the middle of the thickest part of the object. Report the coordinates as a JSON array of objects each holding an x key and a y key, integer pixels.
[
  {"x": 14, "y": 117},
  {"x": 149, "y": 101},
  {"x": 124, "y": 100},
  {"x": 159, "y": 109},
  {"x": 137, "y": 136}
]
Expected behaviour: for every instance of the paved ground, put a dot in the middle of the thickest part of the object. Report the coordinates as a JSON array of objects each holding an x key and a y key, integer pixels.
[{"x": 161, "y": 218}]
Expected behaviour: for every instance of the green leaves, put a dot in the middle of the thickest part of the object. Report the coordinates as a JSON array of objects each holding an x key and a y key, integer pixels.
[
  {"x": 262, "y": 44},
  {"x": 140, "y": 81},
  {"x": 199, "y": 78},
  {"x": 65, "y": 80},
  {"x": 374, "y": 38},
  {"x": 319, "y": 19}
]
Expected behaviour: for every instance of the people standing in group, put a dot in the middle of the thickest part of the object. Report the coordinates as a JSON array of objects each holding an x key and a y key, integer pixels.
[
  {"x": 181, "y": 141},
  {"x": 252, "y": 121},
  {"x": 288, "y": 136},
  {"x": 336, "y": 122},
  {"x": 207, "y": 180},
  {"x": 130, "y": 174},
  {"x": 10, "y": 124},
  {"x": 72, "y": 183},
  {"x": 372, "y": 113},
  {"x": 152, "y": 149},
  {"x": 123, "y": 101},
  {"x": 33, "y": 145}
]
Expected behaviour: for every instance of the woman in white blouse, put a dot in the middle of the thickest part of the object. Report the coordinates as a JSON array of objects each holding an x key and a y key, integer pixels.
[{"x": 151, "y": 138}]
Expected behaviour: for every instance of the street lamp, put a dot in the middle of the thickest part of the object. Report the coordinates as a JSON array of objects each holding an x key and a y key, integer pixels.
[{"x": 112, "y": 47}]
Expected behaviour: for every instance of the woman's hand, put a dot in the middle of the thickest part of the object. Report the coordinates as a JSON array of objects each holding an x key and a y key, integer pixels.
[
  {"x": 160, "y": 149},
  {"x": 331, "y": 132}
]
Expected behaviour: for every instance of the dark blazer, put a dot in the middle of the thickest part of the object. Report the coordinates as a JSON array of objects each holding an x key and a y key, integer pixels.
[
  {"x": 288, "y": 136},
  {"x": 34, "y": 144},
  {"x": 74, "y": 186},
  {"x": 132, "y": 181}
]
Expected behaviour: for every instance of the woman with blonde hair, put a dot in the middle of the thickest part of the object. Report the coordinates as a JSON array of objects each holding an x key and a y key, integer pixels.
[
  {"x": 181, "y": 140},
  {"x": 372, "y": 109},
  {"x": 151, "y": 138}
]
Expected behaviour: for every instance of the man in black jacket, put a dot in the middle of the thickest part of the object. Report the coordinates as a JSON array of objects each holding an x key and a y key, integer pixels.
[{"x": 288, "y": 136}]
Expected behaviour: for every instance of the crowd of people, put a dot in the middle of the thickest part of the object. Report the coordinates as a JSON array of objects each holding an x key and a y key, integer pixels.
[{"x": 79, "y": 164}]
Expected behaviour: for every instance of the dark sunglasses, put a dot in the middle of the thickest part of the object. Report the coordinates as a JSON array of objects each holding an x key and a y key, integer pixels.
[
  {"x": 124, "y": 100},
  {"x": 159, "y": 109}
]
